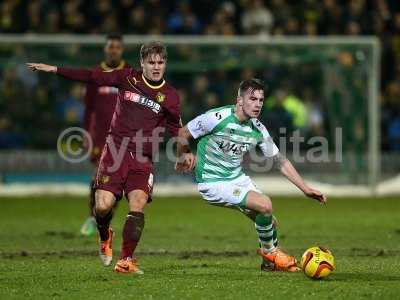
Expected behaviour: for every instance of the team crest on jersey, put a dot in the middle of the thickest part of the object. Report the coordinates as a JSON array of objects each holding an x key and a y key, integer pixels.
[
  {"x": 160, "y": 97},
  {"x": 236, "y": 192}
]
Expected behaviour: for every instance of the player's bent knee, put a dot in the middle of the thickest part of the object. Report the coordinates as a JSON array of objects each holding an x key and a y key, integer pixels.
[
  {"x": 259, "y": 203},
  {"x": 104, "y": 202},
  {"x": 137, "y": 200},
  {"x": 101, "y": 209},
  {"x": 266, "y": 207}
]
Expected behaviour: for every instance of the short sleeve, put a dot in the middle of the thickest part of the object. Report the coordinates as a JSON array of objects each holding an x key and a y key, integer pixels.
[
  {"x": 201, "y": 125},
  {"x": 267, "y": 145},
  {"x": 206, "y": 122}
]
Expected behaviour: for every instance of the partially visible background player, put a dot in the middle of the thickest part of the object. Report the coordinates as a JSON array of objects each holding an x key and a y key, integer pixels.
[{"x": 99, "y": 108}]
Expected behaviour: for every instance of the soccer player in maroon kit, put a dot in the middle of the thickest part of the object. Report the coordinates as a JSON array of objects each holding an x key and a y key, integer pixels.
[
  {"x": 100, "y": 103},
  {"x": 146, "y": 105}
]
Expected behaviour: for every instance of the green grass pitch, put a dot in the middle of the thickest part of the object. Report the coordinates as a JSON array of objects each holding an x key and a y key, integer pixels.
[{"x": 191, "y": 250}]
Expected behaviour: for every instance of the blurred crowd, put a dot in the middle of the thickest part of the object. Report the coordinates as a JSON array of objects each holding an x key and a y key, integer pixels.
[{"x": 206, "y": 17}]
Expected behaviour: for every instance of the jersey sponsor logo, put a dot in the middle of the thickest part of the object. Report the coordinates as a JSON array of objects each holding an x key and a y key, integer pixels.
[
  {"x": 105, "y": 90},
  {"x": 232, "y": 148},
  {"x": 160, "y": 97},
  {"x": 142, "y": 100}
]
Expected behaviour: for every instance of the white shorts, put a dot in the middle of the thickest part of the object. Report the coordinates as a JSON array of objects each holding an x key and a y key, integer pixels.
[{"x": 227, "y": 193}]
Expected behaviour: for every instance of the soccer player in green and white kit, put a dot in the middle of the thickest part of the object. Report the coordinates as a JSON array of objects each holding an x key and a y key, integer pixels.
[{"x": 226, "y": 134}]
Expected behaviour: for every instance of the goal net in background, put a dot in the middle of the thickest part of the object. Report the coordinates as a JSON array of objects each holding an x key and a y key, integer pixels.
[{"x": 321, "y": 105}]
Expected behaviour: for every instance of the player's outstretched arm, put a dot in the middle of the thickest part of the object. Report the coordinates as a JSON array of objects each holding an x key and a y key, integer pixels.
[
  {"x": 69, "y": 73},
  {"x": 41, "y": 67},
  {"x": 185, "y": 159},
  {"x": 107, "y": 78},
  {"x": 289, "y": 171}
]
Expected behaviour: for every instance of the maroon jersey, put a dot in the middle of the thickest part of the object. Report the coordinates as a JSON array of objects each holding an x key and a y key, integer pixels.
[
  {"x": 100, "y": 103},
  {"x": 142, "y": 110}
]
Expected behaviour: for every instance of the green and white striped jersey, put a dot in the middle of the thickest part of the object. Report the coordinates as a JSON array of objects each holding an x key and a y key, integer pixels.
[{"x": 224, "y": 141}]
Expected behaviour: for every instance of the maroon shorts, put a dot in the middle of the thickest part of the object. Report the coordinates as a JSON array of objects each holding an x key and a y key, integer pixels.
[{"x": 131, "y": 174}]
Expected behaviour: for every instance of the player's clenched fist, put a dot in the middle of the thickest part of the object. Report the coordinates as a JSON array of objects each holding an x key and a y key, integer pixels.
[
  {"x": 41, "y": 67},
  {"x": 186, "y": 162}
]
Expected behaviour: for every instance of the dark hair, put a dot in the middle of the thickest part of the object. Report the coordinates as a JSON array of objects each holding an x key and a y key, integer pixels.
[
  {"x": 114, "y": 36},
  {"x": 153, "y": 48},
  {"x": 254, "y": 84}
]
